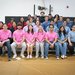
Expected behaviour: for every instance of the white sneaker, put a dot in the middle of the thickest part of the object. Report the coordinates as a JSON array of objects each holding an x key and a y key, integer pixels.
[
  {"x": 27, "y": 56},
  {"x": 42, "y": 57},
  {"x": 46, "y": 58},
  {"x": 36, "y": 57},
  {"x": 65, "y": 56},
  {"x": 14, "y": 56},
  {"x": 30, "y": 56},
  {"x": 62, "y": 56},
  {"x": 18, "y": 58},
  {"x": 22, "y": 55},
  {"x": 57, "y": 58}
]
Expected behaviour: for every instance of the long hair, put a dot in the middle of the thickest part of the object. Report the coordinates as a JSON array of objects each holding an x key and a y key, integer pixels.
[
  {"x": 29, "y": 30},
  {"x": 64, "y": 31}
]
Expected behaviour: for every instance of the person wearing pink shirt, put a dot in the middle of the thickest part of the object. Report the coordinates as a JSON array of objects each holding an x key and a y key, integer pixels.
[
  {"x": 18, "y": 38},
  {"x": 5, "y": 36},
  {"x": 30, "y": 40},
  {"x": 51, "y": 40},
  {"x": 40, "y": 37}
]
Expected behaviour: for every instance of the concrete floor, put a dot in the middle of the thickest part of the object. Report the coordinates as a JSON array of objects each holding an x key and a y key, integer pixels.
[{"x": 38, "y": 66}]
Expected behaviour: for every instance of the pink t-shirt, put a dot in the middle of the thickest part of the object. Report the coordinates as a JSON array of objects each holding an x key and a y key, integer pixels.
[
  {"x": 40, "y": 36},
  {"x": 4, "y": 35},
  {"x": 18, "y": 35},
  {"x": 29, "y": 37},
  {"x": 51, "y": 36}
]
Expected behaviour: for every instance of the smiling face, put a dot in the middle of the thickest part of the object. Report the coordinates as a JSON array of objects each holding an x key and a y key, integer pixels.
[
  {"x": 61, "y": 18},
  {"x": 22, "y": 19},
  {"x": 62, "y": 29},
  {"x": 46, "y": 18},
  {"x": 30, "y": 27},
  {"x": 37, "y": 23},
  {"x": 73, "y": 28},
  {"x": 14, "y": 24},
  {"x": 65, "y": 23},
  {"x": 19, "y": 27},
  {"x": 51, "y": 28},
  {"x": 1, "y": 25},
  {"x": 5, "y": 27},
  {"x": 40, "y": 29}
]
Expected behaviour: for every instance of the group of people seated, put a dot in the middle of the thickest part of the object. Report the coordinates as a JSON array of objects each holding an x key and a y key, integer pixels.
[{"x": 53, "y": 32}]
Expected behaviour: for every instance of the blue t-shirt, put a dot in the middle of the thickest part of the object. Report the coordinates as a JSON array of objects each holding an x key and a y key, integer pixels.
[
  {"x": 62, "y": 37},
  {"x": 45, "y": 25}
]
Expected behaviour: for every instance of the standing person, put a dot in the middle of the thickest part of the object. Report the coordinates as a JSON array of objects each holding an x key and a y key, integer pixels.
[
  {"x": 51, "y": 40},
  {"x": 71, "y": 40},
  {"x": 31, "y": 22},
  {"x": 18, "y": 38},
  {"x": 66, "y": 27},
  {"x": 23, "y": 22},
  {"x": 30, "y": 39},
  {"x": 62, "y": 40},
  {"x": 50, "y": 17},
  {"x": 36, "y": 27},
  {"x": 10, "y": 23},
  {"x": 56, "y": 16},
  {"x": 5, "y": 36},
  {"x": 46, "y": 23},
  {"x": 40, "y": 38},
  {"x": 69, "y": 23},
  {"x": 14, "y": 27},
  {"x": 55, "y": 27},
  {"x": 60, "y": 22}
]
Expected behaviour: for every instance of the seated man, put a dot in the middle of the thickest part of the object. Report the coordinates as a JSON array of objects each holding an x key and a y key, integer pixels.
[
  {"x": 18, "y": 38},
  {"x": 5, "y": 36},
  {"x": 71, "y": 40},
  {"x": 51, "y": 38}
]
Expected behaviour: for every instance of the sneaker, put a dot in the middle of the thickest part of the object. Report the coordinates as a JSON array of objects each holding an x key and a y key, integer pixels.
[
  {"x": 42, "y": 57},
  {"x": 65, "y": 56},
  {"x": 36, "y": 57},
  {"x": 27, "y": 56},
  {"x": 30, "y": 56},
  {"x": 57, "y": 58},
  {"x": 18, "y": 58},
  {"x": 46, "y": 58},
  {"x": 22, "y": 55},
  {"x": 14, "y": 56},
  {"x": 62, "y": 56}
]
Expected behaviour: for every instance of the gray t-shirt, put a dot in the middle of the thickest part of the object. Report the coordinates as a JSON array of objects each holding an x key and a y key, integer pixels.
[{"x": 71, "y": 35}]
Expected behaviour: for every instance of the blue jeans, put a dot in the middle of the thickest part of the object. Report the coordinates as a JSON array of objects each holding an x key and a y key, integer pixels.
[
  {"x": 62, "y": 49},
  {"x": 7, "y": 44},
  {"x": 47, "y": 45}
]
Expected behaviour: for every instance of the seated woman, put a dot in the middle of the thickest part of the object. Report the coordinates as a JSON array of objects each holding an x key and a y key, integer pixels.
[
  {"x": 71, "y": 40},
  {"x": 62, "y": 40},
  {"x": 30, "y": 40},
  {"x": 5, "y": 36},
  {"x": 40, "y": 38},
  {"x": 51, "y": 40}
]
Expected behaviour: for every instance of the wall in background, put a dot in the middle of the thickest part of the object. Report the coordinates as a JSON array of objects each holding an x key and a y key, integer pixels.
[
  {"x": 25, "y": 7},
  {"x": 60, "y": 7}
]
